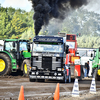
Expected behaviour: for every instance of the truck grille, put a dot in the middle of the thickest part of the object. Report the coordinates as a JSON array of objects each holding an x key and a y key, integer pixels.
[
  {"x": 50, "y": 63},
  {"x": 47, "y": 63}
]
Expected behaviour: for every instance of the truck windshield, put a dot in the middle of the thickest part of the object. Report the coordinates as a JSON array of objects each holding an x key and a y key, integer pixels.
[
  {"x": 71, "y": 44},
  {"x": 58, "y": 48}
]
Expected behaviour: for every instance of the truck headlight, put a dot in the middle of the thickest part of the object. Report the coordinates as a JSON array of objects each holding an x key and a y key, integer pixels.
[
  {"x": 59, "y": 74},
  {"x": 55, "y": 73},
  {"x": 33, "y": 73},
  {"x": 33, "y": 68},
  {"x": 59, "y": 69},
  {"x": 37, "y": 73}
]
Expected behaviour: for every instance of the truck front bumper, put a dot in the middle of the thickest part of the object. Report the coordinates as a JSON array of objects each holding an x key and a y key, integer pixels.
[
  {"x": 58, "y": 76},
  {"x": 45, "y": 77}
]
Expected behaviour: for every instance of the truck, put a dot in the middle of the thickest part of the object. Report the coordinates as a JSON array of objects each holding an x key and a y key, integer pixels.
[
  {"x": 86, "y": 55},
  {"x": 96, "y": 64},
  {"x": 48, "y": 58},
  {"x": 74, "y": 59},
  {"x": 15, "y": 56}
]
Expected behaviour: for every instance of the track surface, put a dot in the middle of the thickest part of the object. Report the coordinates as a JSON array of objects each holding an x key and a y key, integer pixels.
[{"x": 10, "y": 88}]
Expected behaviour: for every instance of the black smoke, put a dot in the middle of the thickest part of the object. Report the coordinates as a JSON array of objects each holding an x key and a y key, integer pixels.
[{"x": 48, "y": 9}]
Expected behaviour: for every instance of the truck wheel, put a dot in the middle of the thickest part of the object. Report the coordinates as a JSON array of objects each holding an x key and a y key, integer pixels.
[
  {"x": 5, "y": 65},
  {"x": 40, "y": 80},
  {"x": 26, "y": 67},
  {"x": 32, "y": 80}
]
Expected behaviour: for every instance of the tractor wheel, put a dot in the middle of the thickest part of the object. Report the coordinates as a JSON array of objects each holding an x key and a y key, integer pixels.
[
  {"x": 26, "y": 67},
  {"x": 97, "y": 77},
  {"x": 5, "y": 65}
]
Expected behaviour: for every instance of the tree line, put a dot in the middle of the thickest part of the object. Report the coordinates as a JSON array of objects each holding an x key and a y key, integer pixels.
[
  {"x": 19, "y": 23},
  {"x": 13, "y": 22}
]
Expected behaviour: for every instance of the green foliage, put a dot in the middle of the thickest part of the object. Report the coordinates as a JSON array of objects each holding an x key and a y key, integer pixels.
[
  {"x": 14, "y": 22},
  {"x": 29, "y": 33},
  {"x": 4, "y": 24},
  {"x": 11, "y": 11},
  {"x": 17, "y": 25},
  {"x": 64, "y": 30},
  {"x": 88, "y": 41}
]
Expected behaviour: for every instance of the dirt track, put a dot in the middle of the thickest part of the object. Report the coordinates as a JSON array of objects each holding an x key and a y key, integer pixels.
[{"x": 10, "y": 88}]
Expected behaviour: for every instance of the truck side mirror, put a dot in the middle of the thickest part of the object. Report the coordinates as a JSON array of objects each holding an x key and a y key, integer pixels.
[
  {"x": 67, "y": 49},
  {"x": 76, "y": 52}
]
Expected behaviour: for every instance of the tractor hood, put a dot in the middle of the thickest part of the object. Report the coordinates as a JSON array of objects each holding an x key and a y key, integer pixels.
[{"x": 26, "y": 54}]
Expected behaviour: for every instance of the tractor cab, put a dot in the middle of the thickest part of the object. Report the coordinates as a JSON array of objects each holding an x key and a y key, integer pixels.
[
  {"x": 11, "y": 47},
  {"x": 18, "y": 52},
  {"x": 16, "y": 47}
]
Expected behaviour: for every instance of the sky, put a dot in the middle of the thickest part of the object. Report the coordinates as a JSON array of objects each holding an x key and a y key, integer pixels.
[
  {"x": 22, "y": 4},
  {"x": 26, "y": 5}
]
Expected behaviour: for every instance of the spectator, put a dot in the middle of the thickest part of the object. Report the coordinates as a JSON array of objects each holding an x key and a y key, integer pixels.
[{"x": 87, "y": 68}]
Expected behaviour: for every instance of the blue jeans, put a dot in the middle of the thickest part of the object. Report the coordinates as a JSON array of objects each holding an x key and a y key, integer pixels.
[
  {"x": 69, "y": 76},
  {"x": 85, "y": 74}
]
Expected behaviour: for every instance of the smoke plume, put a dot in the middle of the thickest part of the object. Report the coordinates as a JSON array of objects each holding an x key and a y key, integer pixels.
[
  {"x": 48, "y": 9},
  {"x": 94, "y": 6}
]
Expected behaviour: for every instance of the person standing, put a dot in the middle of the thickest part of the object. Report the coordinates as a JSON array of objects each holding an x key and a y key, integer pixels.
[
  {"x": 87, "y": 68},
  {"x": 67, "y": 68},
  {"x": 85, "y": 71}
]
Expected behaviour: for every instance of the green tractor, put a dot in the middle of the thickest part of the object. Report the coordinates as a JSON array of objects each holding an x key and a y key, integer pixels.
[
  {"x": 15, "y": 56},
  {"x": 96, "y": 64}
]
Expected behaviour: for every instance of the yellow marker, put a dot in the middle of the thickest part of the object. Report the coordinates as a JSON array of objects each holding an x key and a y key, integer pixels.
[{"x": 98, "y": 71}]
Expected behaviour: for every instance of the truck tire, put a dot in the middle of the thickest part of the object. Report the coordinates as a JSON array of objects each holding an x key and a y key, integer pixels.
[
  {"x": 26, "y": 67},
  {"x": 32, "y": 80},
  {"x": 5, "y": 65},
  {"x": 40, "y": 80}
]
